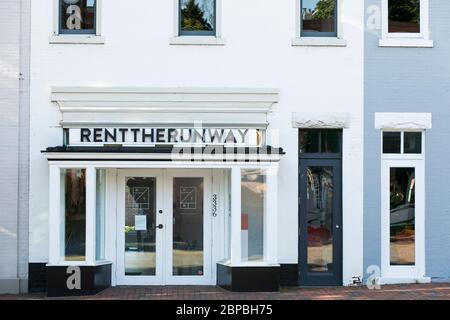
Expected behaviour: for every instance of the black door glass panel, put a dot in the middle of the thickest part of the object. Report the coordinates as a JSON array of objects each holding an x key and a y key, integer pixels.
[
  {"x": 402, "y": 216},
  {"x": 330, "y": 141},
  {"x": 77, "y": 16},
  {"x": 140, "y": 226},
  {"x": 404, "y": 16},
  {"x": 413, "y": 142},
  {"x": 318, "y": 16},
  {"x": 320, "y": 141},
  {"x": 197, "y": 16},
  {"x": 320, "y": 193},
  {"x": 309, "y": 141},
  {"x": 391, "y": 142},
  {"x": 187, "y": 244}
]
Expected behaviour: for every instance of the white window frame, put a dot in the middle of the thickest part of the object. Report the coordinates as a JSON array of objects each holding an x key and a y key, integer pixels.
[
  {"x": 205, "y": 40},
  {"x": 337, "y": 41},
  {"x": 57, "y": 38},
  {"x": 56, "y": 248},
  {"x": 421, "y": 39},
  {"x": 403, "y": 274}
]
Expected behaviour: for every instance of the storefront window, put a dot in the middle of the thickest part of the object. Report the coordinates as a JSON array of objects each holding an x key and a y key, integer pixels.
[
  {"x": 100, "y": 215},
  {"x": 253, "y": 198},
  {"x": 73, "y": 209}
]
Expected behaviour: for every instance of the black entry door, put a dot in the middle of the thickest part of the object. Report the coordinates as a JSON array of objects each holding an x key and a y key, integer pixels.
[{"x": 320, "y": 221}]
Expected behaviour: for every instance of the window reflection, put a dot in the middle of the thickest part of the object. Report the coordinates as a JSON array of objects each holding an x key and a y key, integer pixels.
[
  {"x": 402, "y": 216},
  {"x": 253, "y": 196},
  {"x": 140, "y": 226},
  {"x": 404, "y": 16},
  {"x": 197, "y": 16},
  {"x": 320, "y": 194},
  {"x": 318, "y": 16},
  {"x": 73, "y": 206},
  {"x": 188, "y": 227},
  {"x": 77, "y": 16}
]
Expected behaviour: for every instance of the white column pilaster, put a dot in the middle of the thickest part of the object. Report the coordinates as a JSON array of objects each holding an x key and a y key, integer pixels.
[
  {"x": 90, "y": 214},
  {"x": 235, "y": 216},
  {"x": 55, "y": 222}
]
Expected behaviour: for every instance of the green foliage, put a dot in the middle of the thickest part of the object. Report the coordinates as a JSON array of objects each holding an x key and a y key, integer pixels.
[
  {"x": 324, "y": 9},
  {"x": 404, "y": 10},
  {"x": 193, "y": 18}
]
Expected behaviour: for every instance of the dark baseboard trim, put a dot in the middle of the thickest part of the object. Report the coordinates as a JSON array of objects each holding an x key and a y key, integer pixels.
[
  {"x": 37, "y": 277},
  {"x": 289, "y": 275},
  {"x": 248, "y": 279},
  {"x": 62, "y": 281}
]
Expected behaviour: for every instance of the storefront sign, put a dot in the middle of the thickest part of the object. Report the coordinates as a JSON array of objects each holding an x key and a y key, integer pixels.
[{"x": 171, "y": 136}]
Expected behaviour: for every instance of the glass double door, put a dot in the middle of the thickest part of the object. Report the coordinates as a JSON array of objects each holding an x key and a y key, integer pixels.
[{"x": 164, "y": 227}]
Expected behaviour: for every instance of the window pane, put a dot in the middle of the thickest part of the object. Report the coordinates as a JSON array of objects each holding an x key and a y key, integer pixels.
[
  {"x": 309, "y": 141},
  {"x": 187, "y": 227},
  {"x": 391, "y": 142},
  {"x": 318, "y": 16},
  {"x": 140, "y": 226},
  {"x": 100, "y": 215},
  {"x": 402, "y": 216},
  {"x": 77, "y": 16},
  {"x": 253, "y": 195},
  {"x": 320, "y": 195},
  {"x": 404, "y": 16},
  {"x": 413, "y": 142},
  {"x": 73, "y": 207},
  {"x": 330, "y": 141},
  {"x": 197, "y": 16}
]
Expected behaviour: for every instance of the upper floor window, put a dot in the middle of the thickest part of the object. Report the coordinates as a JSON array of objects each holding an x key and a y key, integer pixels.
[
  {"x": 319, "y": 18},
  {"x": 77, "y": 16},
  {"x": 405, "y": 23},
  {"x": 404, "y": 16},
  {"x": 197, "y": 17}
]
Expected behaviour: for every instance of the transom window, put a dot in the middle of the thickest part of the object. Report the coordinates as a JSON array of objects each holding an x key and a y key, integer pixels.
[
  {"x": 399, "y": 142},
  {"x": 77, "y": 16},
  {"x": 404, "y": 16},
  {"x": 197, "y": 17},
  {"x": 320, "y": 141},
  {"x": 319, "y": 18}
]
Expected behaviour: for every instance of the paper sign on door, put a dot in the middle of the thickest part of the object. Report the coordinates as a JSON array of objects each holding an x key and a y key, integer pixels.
[{"x": 140, "y": 223}]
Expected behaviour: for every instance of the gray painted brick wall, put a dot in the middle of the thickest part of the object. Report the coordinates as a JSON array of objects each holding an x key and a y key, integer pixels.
[
  {"x": 411, "y": 80},
  {"x": 14, "y": 123}
]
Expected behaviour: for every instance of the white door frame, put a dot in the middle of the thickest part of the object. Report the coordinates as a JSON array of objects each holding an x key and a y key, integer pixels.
[
  {"x": 122, "y": 279},
  {"x": 164, "y": 190},
  {"x": 396, "y": 274},
  {"x": 207, "y": 277}
]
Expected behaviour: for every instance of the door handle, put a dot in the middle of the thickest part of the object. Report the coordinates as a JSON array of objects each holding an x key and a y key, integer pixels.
[{"x": 159, "y": 226}]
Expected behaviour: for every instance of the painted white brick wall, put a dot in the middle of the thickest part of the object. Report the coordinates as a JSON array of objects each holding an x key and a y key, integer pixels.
[{"x": 14, "y": 123}]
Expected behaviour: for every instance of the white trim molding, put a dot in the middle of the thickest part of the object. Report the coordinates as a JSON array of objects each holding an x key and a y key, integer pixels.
[
  {"x": 200, "y": 40},
  {"x": 169, "y": 106},
  {"x": 57, "y": 38},
  {"x": 411, "y": 40},
  {"x": 329, "y": 120},
  {"x": 403, "y": 121}
]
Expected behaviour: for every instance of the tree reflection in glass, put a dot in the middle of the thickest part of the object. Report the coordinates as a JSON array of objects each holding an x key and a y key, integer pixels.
[
  {"x": 404, "y": 16},
  {"x": 402, "y": 216},
  {"x": 318, "y": 16},
  {"x": 197, "y": 16}
]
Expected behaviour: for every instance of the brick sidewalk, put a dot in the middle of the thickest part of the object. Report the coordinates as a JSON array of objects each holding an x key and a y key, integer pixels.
[{"x": 407, "y": 292}]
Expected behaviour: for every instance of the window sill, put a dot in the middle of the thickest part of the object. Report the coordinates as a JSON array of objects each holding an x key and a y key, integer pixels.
[
  {"x": 406, "y": 43},
  {"x": 319, "y": 42},
  {"x": 197, "y": 41},
  {"x": 76, "y": 39}
]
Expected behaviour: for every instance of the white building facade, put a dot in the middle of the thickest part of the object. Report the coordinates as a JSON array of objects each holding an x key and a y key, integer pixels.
[{"x": 128, "y": 100}]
